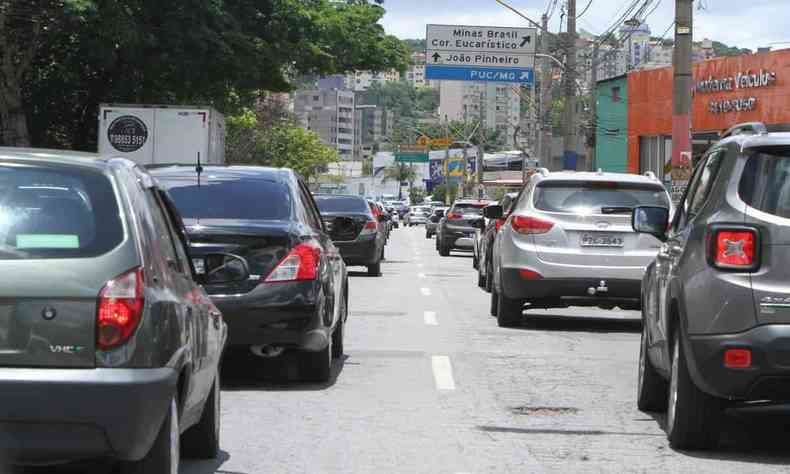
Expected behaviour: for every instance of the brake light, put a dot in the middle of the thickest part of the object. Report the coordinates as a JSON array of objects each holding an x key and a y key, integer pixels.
[
  {"x": 738, "y": 358},
  {"x": 301, "y": 264},
  {"x": 528, "y": 225},
  {"x": 528, "y": 274},
  {"x": 454, "y": 216},
  {"x": 499, "y": 223},
  {"x": 375, "y": 210},
  {"x": 734, "y": 249},
  {"x": 370, "y": 228},
  {"x": 120, "y": 308}
]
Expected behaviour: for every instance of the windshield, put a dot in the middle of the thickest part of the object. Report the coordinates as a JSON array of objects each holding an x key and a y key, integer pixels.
[
  {"x": 49, "y": 212},
  {"x": 224, "y": 198},
  {"x": 341, "y": 204},
  {"x": 597, "y": 197}
]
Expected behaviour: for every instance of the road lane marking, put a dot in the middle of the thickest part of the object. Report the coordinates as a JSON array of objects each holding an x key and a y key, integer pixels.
[
  {"x": 420, "y": 265},
  {"x": 421, "y": 275},
  {"x": 425, "y": 291},
  {"x": 430, "y": 318},
  {"x": 443, "y": 373}
]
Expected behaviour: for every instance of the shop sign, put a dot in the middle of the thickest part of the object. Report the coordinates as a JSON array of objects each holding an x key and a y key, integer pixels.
[{"x": 740, "y": 81}]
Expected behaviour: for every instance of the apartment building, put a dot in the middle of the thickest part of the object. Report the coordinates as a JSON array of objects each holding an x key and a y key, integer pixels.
[
  {"x": 497, "y": 105},
  {"x": 374, "y": 125},
  {"x": 329, "y": 113}
]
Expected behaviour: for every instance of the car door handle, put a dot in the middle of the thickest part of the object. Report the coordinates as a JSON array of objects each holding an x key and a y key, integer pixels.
[{"x": 216, "y": 317}]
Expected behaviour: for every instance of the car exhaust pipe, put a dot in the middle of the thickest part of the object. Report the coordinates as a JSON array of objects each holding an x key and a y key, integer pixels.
[{"x": 267, "y": 352}]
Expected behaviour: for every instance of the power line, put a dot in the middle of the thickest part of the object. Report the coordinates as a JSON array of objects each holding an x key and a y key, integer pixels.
[{"x": 584, "y": 10}]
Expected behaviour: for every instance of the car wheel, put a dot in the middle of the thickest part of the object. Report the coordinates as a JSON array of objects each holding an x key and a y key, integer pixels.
[
  {"x": 481, "y": 280},
  {"x": 651, "y": 388},
  {"x": 339, "y": 333},
  {"x": 509, "y": 311},
  {"x": 317, "y": 366},
  {"x": 164, "y": 455},
  {"x": 202, "y": 440},
  {"x": 375, "y": 269},
  {"x": 693, "y": 416},
  {"x": 444, "y": 250},
  {"x": 494, "y": 303},
  {"x": 427, "y": 235},
  {"x": 489, "y": 280}
]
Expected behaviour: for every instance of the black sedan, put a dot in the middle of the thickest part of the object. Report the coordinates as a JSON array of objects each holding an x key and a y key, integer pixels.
[
  {"x": 358, "y": 231},
  {"x": 297, "y": 294}
]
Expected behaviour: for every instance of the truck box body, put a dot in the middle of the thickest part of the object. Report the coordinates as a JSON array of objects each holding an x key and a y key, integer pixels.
[{"x": 157, "y": 134}]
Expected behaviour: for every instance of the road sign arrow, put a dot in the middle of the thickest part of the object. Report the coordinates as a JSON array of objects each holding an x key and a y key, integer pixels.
[
  {"x": 524, "y": 76},
  {"x": 436, "y": 57},
  {"x": 527, "y": 39}
]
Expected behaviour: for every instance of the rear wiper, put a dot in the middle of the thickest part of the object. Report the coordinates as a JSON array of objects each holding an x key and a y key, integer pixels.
[{"x": 617, "y": 210}]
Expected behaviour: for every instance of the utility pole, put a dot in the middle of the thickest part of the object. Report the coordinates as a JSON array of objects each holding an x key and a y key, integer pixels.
[
  {"x": 594, "y": 104},
  {"x": 681, "y": 97},
  {"x": 569, "y": 116},
  {"x": 545, "y": 95}
]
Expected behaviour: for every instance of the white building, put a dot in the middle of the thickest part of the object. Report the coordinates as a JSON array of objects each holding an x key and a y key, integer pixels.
[
  {"x": 362, "y": 80},
  {"x": 330, "y": 113},
  {"x": 496, "y": 104}
]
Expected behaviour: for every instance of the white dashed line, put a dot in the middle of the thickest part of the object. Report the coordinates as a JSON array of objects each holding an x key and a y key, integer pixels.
[
  {"x": 430, "y": 318},
  {"x": 421, "y": 275},
  {"x": 443, "y": 373},
  {"x": 420, "y": 265},
  {"x": 425, "y": 291}
]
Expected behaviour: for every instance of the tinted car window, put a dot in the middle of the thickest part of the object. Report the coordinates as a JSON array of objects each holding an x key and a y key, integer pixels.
[
  {"x": 469, "y": 208},
  {"x": 593, "y": 196},
  {"x": 341, "y": 204},
  {"x": 53, "y": 212},
  {"x": 707, "y": 177},
  {"x": 765, "y": 182},
  {"x": 247, "y": 199}
]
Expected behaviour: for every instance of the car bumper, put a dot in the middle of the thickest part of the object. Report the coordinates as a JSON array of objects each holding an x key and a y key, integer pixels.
[
  {"x": 364, "y": 251},
  {"x": 574, "y": 291},
  {"x": 278, "y": 314},
  {"x": 458, "y": 238},
  {"x": 50, "y": 416},
  {"x": 768, "y": 378}
]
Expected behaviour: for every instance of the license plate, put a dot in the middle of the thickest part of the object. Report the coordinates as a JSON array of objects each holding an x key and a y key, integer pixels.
[
  {"x": 602, "y": 240},
  {"x": 200, "y": 265}
]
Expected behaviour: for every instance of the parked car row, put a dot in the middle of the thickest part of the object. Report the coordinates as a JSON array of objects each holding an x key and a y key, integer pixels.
[
  {"x": 710, "y": 277},
  {"x": 130, "y": 283}
]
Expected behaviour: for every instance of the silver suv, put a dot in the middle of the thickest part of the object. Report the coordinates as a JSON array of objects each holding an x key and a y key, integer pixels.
[
  {"x": 569, "y": 241},
  {"x": 716, "y": 305}
]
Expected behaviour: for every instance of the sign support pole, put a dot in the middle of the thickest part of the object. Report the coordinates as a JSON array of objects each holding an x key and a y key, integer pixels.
[{"x": 681, "y": 96}]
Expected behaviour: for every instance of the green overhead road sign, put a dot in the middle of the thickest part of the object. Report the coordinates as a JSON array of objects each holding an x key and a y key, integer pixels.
[{"x": 411, "y": 157}]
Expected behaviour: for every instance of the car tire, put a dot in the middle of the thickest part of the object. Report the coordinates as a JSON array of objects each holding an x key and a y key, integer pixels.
[
  {"x": 509, "y": 311},
  {"x": 494, "y": 303},
  {"x": 651, "y": 389},
  {"x": 693, "y": 416},
  {"x": 489, "y": 280},
  {"x": 374, "y": 270},
  {"x": 317, "y": 366},
  {"x": 481, "y": 280},
  {"x": 165, "y": 453},
  {"x": 202, "y": 440},
  {"x": 338, "y": 335},
  {"x": 427, "y": 235},
  {"x": 444, "y": 250}
]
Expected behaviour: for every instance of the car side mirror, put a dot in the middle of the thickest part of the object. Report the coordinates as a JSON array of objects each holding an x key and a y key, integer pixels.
[
  {"x": 220, "y": 268},
  {"x": 440, "y": 213},
  {"x": 651, "y": 220},
  {"x": 493, "y": 212}
]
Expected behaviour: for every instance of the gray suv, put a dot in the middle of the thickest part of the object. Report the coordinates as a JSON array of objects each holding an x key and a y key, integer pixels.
[
  {"x": 568, "y": 241},
  {"x": 716, "y": 301},
  {"x": 109, "y": 347}
]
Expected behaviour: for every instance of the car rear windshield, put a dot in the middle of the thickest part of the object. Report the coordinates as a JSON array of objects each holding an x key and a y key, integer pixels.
[
  {"x": 765, "y": 182},
  {"x": 56, "y": 212},
  {"x": 470, "y": 208},
  {"x": 349, "y": 204},
  {"x": 231, "y": 198},
  {"x": 597, "y": 197}
]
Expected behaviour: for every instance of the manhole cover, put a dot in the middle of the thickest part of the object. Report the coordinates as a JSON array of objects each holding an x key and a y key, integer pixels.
[
  {"x": 544, "y": 411},
  {"x": 377, "y": 313}
]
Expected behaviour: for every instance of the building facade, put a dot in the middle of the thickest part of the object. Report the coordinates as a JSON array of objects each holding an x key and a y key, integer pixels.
[
  {"x": 362, "y": 80},
  {"x": 374, "y": 125},
  {"x": 496, "y": 105},
  {"x": 611, "y": 124},
  {"x": 329, "y": 113}
]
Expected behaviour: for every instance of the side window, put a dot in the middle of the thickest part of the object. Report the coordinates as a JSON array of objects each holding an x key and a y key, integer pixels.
[
  {"x": 181, "y": 240},
  {"x": 163, "y": 242},
  {"x": 312, "y": 216},
  {"x": 701, "y": 185}
]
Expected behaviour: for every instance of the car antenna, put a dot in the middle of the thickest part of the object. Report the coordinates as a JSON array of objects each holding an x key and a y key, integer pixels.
[{"x": 198, "y": 169}]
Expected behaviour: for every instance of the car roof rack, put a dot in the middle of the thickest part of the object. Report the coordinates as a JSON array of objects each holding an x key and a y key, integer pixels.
[
  {"x": 747, "y": 128},
  {"x": 651, "y": 175}
]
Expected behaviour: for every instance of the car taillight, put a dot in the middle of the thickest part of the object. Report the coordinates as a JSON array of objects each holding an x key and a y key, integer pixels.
[
  {"x": 301, "y": 264},
  {"x": 528, "y": 274},
  {"x": 375, "y": 210},
  {"x": 499, "y": 223},
  {"x": 530, "y": 225},
  {"x": 454, "y": 216},
  {"x": 120, "y": 308},
  {"x": 734, "y": 249},
  {"x": 370, "y": 228},
  {"x": 738, "y": 358}
]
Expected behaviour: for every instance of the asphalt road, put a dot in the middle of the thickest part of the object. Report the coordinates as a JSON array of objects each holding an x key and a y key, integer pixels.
[{"x": 430, "y": 384}]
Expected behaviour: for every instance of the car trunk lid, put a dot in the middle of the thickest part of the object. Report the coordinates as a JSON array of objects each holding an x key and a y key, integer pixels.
[{"x": 345, "y": 226}]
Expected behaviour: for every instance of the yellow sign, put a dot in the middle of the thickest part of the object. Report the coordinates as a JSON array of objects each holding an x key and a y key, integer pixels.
[
  {"x": 437, "y": 142},
  {"x": 423, "y": 141}
]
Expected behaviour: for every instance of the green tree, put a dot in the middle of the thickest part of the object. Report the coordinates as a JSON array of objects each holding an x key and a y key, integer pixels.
[
  {"x": 417, "y": 195},
  {"x": 72, "y": 55},
  {"x": 400, "y": 173}
]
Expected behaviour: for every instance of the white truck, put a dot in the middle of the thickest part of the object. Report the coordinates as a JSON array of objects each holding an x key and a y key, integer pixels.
[{"x": 162, "y": 134}]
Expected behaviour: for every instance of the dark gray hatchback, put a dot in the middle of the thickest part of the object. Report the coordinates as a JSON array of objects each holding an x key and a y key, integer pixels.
[{"x": 108, "y": 346}]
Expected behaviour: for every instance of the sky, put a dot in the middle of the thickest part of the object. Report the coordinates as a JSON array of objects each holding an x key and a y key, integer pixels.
[{"x": 742, "y": 23}]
